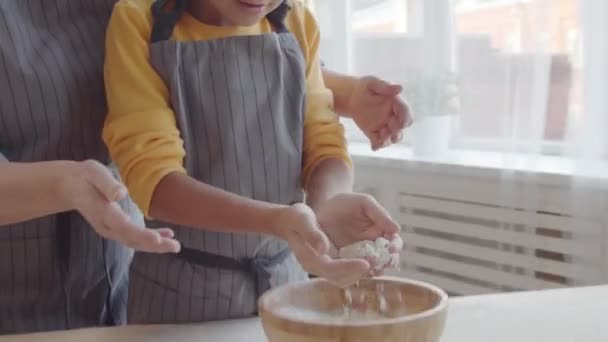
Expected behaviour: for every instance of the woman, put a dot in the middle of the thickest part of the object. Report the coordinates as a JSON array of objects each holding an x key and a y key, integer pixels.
[{"x": 55, "y": 271}]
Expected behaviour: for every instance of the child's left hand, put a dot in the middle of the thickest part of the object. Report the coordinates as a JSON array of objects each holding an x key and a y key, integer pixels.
[
  {"x": 379, "y": 111},
  {"x": 351, "y": 217}
]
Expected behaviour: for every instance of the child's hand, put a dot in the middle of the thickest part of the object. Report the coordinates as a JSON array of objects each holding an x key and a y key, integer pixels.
[
  {"x": 299, "y": 227},
  {"x": 91, "y": 190},
  {"x": 377, "y": 109},
  {"x": 351, "y": 217}
]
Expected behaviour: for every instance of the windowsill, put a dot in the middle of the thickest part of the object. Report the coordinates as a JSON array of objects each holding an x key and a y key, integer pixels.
[
  {"x": 502, "y": 3},
  {"x": 561, "y": 169}
]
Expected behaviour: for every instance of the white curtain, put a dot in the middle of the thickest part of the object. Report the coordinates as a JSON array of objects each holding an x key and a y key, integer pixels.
[
  {"x": 530, "y": 74},
  {"x": 515, "y": 85}
]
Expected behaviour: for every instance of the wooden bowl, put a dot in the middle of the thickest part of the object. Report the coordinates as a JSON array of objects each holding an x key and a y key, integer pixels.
[{"x": 413, "y": 312}]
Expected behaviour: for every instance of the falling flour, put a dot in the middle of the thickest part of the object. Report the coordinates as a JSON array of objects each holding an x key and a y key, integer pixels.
[
  {"x": 378, "y": 251},
  {"x": 349, "y": 313}
]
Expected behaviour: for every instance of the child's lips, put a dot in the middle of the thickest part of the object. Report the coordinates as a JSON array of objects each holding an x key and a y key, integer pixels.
[
  {"x": 253, "y": 2},
  {"x": 253, "y": 5}
]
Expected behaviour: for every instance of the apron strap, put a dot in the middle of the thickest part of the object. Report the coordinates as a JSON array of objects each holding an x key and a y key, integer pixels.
[
  {"x": 203, "y": 258},
  {"x": 63, "y": 222},
  {"x": 165, "y": 21},
  {"x": 258, "y": 268},
  {"x": 278, "y": 15},
  {"x": 63, "y": 243}
]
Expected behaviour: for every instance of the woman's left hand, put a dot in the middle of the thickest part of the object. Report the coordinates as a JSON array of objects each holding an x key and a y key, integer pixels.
[{"x": 378, "y": 110}]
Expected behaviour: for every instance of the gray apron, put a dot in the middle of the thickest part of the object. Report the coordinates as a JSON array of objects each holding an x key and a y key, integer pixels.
[
  {"x": 56, "y": 272},
  {"x": 239, "y": 105}
]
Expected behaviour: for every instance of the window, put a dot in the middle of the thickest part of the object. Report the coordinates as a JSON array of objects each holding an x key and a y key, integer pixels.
[
  {"x": 518, "y": 45},
  {"x": 517, "y": 63}
]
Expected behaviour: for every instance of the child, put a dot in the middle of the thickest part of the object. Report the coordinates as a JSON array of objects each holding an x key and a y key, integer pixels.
[{"x": 218, "y": 118}]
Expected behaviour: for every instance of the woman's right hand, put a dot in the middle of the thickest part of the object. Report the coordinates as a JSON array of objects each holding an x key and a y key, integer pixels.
[
  {"x": 298, "y": 225},
  {"x": 90, "y": 188}
]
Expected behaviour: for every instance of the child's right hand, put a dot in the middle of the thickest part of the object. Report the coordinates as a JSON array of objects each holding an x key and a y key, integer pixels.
[
  {"x": 298, "y": 225},
  {"x": 90, "y": 188}
]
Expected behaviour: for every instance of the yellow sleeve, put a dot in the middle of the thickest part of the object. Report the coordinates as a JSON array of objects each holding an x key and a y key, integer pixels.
[
  {"x": 140, "y": 130},
  {"x": 323, "y": 133}
]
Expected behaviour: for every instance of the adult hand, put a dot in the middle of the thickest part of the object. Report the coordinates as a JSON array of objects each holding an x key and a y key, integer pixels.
[
  {"x": 378, "y": 110},
  {"x": 91, "y": 189}
]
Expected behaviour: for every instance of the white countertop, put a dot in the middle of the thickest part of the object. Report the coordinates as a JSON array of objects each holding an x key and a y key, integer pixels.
[{"x": 568, "y": 315}]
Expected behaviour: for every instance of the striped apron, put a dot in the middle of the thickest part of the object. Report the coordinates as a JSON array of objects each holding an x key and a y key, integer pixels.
[
  {"x": 56, "y": 272},
  {"x": 239, "y": 104}
]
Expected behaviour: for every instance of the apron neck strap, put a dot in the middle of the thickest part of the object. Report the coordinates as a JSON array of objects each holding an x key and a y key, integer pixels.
[
  {"x": 278, "y": 15},
  {"x": 165, "y": 21}
]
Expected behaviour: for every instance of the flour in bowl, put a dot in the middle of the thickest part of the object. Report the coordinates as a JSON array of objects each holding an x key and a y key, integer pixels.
[{"x": 354, "y": 315}]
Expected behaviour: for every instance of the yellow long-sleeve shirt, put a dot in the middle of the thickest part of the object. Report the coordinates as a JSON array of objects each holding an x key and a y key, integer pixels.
[{"x": 140, "y": 129}]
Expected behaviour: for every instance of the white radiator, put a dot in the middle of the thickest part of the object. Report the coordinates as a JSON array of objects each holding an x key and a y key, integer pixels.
[{"x": 475, "y": 231}]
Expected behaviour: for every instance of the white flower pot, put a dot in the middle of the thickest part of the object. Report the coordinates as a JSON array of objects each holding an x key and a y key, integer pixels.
[{"x": 431, "y": 135}]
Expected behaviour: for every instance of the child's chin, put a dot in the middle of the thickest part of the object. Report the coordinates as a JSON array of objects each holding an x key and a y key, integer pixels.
[{"x": 249, "y": 20}]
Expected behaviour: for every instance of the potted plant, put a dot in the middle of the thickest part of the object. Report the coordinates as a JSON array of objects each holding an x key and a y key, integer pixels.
[{"x": 433, "y": 98}]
